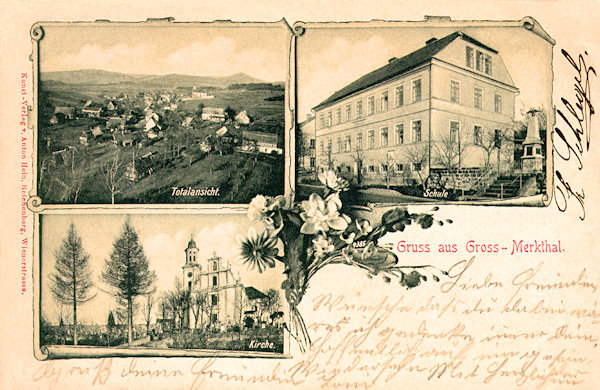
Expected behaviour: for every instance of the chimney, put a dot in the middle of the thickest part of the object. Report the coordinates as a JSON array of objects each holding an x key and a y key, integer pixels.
[{"x": 430, "y": 41}]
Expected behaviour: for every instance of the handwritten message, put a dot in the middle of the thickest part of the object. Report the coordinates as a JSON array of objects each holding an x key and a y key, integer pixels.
[{"x": 533, "y": 328}]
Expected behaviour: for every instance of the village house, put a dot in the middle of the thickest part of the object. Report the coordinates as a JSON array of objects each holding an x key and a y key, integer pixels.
[
  {"x": 122, "y": 139},
  {"x": 260, "y": 142},
  {"x": 213, "y": 114},
  {"x": 92, "y": 111},
  {"x": 242, "y": 118},
  {"x": 448, "y": 97},
  {"x": 62, "y": 113}
]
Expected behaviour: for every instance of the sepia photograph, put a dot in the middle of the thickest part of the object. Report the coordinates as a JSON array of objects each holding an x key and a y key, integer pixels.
[
  {"x": 434, "y": 111},
  {"x": 154, "y": 283},
  {"x": 139, "y": 114}
]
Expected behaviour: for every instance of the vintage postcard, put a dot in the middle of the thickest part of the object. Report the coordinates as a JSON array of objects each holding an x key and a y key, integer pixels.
[{"x": 257, "y": 196}]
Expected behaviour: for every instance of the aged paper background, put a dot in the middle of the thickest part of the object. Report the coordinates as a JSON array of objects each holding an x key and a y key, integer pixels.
[{"x": 542, "y": 347}]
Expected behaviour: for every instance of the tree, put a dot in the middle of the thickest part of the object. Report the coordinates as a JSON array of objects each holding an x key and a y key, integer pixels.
[
  {"x": 179, "y": 300},
  {"x": 71, "y": 281},
  {"x": 200, "y": 305},
  {"x": 358, "y": 156},
  {"x": 148, "y": 309},
  {"x": 417, "y": 155},
  {"x": 272, "y": 302},
  {"x": 110, "y": 325},
  {"x": 448, "y": 152},
  {"x": 113, "y": 176},
  {"x": 230, "y": 113},
  {"x": 127, "y": 272},
  {"x": 388, "y": 162},
  {"x": 164, "y": 307}
]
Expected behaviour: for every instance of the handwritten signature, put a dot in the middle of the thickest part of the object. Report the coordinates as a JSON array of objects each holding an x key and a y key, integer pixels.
[{"x": 578, "y": 120}]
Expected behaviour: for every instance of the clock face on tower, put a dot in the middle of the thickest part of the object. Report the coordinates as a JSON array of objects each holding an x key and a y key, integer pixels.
[{"x": 189, "y": 274}]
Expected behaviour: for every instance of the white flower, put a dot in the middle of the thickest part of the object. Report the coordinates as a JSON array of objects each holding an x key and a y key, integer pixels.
[
  {"x": 257, "y": 208},
  {"x": 322, "y": 215},
  {"x": 330, "y": 180},
  {"x": 322, "y": 245}
]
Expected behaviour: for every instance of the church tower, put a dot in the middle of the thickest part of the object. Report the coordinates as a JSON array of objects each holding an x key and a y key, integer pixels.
[{"x": 191, "y": 268}]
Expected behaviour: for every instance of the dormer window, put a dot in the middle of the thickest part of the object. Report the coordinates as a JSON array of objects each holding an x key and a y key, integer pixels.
[
  {"x": 215, "y": 266},
  {"x": 469, "y": 57}
]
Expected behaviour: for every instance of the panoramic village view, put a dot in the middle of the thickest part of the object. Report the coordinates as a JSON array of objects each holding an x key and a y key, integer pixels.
[
  {"x": 109, "y": 137},
  {"x": 109, "y": 292}
]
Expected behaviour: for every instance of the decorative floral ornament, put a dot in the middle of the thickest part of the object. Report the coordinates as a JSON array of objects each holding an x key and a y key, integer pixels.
[
  {"x": 322, "y": 215},
  {"x": 259, "y": 250},
  {"x": 317, "y": 232}
]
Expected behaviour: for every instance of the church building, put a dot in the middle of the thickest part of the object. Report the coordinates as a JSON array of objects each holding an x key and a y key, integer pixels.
[{"x": 228, "y": 298}]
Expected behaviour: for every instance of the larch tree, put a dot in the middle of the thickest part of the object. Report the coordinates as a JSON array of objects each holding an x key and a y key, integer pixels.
[
  {"x": 128, "y": 273},
  {"x": 71, "y": 281}
]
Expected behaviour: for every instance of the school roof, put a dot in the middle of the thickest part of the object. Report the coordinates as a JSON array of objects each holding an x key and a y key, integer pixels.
[{"x": 398, "y": 66}]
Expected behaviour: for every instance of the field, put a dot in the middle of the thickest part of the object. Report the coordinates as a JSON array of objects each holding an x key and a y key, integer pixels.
[{"x": 73, "y": 171}]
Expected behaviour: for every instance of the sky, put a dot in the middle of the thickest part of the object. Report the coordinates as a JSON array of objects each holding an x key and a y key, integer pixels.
[
  {"x": 330, "y": 58},
  {"x": 206, "y": 50},
  {"x": 164, "y": 239}
]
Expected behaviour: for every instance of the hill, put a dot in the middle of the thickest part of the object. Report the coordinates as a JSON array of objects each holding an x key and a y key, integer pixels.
[{"x": 102, "y": 77}]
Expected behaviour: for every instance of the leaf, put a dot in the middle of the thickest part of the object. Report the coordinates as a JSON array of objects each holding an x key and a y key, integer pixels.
[{"x": 449, "y": 221}]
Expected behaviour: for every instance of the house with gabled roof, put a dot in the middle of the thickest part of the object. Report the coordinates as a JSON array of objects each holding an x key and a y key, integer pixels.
[{"x": 450, "y": 94}]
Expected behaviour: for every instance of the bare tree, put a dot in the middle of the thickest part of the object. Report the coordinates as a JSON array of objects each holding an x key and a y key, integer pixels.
[
  {"x": 179, "y": 300},
  {"x": 448, "y": 153},
  {"x": 358, "y": 156},
  {"x": 71, "y": 281},
  {"x": 200, "y": 305},
  {"x": 329, "y": 160},
  {"x": 147, "y": 309},
  {"x": 272, "y": 302},
  {"x": 417, "y": 155},
  {"x": 389, "y": 172},
  {"x": 113, "y": 176}
]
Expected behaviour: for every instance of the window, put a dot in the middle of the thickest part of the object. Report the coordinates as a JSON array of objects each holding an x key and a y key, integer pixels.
[
  {"x": 454, "y": 91},
  {"x": 371, "y": 139},
  {"x": 529, "y": 151},
  {"x": 359, "y": 141},
  {"x": 497, "y": 139},
  {"x": 384, "y": 167},
  {"x": 313, "y": 163},
  {"x": 416, "y": 167},
  {"x": 399, "y": 167},
  {"x": 399, "y": 95},
  {"x": 469, "y": 57},
  {"x": 498, "y": 104},
  {"x": 477, "y": 135},
  {"x": 488, "y": 64},
  {"x": 371, "y": 168},
  {"x": 359, "y": 109},
  {"x": 322, "y": 120},
  {"x": 348, "y": 112},
  {"x": 348, "y": 145},
  {"x": 399, "y": 133},
  {"x": 338, "y": 116},
  {"x": 190, "y": 285},
  {"x": 384, "y": 136},
  {"x": 384, "y": 100},
  {"x": 371, "y": 105},
  {"x": 478, "y": 97},
  {"x": 454, "y": 127},
  {"x": 321, "y": 147},
  {"x": 416, "y": 90},
  {"x": 479, "y": 61},
  {"x": 215, "y": 318},
  {"x": 329, "y": 119},
  {"x": 416, "y": 131},
  {"x": 214, "y": 280},
  {"x": 312, "y": 143},
  {"x": 339, "y": 144},
  {"x": 214, "y": 300},
  {"x": 215, "y": 265}
]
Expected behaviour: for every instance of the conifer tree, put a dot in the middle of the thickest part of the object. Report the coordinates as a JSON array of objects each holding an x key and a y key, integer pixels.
[
  {"x": 127, "y": 272},
  {"x": 71, "y": 282}
]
